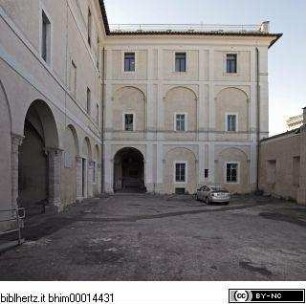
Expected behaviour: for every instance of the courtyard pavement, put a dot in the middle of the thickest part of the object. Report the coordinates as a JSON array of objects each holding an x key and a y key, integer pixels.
[{"x": 146, "y": 237}]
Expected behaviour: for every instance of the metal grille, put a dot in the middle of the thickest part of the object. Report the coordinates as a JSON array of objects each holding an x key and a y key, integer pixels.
[{"x": 12, "y": 221}]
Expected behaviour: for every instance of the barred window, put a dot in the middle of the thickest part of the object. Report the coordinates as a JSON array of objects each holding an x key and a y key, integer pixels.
[
  {"x": 232, "y": 172},
  {"x": 180, "y": 172}
]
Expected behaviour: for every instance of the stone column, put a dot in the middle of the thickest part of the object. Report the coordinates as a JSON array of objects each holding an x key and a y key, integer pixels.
[
  {"x": 109, "y": 165},
  {"x": 54, "y": 159},
  {"x": 301, "y": 197},
  {"x": 90, "y": 178},
  {"x": 148, "y": 163},
  {"x": 16, "y": 143},
  {"x": 78, "y": 172}
]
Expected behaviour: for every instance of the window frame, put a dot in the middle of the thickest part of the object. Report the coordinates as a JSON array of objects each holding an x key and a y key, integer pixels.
[
  {"x": 176, "y": 162},
  {"x": 179, "y": 70},
  {"x": 48, "y": 59},
  {"x": 227, "y": 114},
  {"x": 134, "y": 121},
  {"x": 88, "y": 101},
  {"x": 227, "y": 66},
  {"x": 238, "y": 172},
  {"x": 124, "y": 57},
  {"x": 185, "y": 121},
  {"x": 89, "y": 27}
]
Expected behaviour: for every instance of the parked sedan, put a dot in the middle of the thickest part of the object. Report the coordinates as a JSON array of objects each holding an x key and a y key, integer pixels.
[{"x": 213, "y": 194}]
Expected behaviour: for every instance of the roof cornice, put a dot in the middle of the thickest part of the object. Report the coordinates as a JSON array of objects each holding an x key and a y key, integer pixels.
[{"x": 274, "y": 37}]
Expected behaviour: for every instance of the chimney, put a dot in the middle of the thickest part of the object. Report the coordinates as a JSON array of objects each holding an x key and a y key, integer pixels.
[{"x": 265, "y": 27}]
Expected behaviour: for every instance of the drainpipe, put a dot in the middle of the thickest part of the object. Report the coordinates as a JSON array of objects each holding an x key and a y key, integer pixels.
[
  {"x": 258, "y": 120},
  {"x": 102, "y": 124}
]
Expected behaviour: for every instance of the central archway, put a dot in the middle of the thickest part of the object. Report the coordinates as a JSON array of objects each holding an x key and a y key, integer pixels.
[{"x": 129, "y": 171}]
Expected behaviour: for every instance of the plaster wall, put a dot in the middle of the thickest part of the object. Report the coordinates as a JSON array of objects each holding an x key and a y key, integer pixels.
[
  {"x": 285, "y": 153},
  {"x": 26, "y": 77}
]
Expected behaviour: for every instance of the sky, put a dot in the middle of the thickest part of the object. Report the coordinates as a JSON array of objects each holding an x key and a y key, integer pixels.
[{"x": 287, "y": 58}]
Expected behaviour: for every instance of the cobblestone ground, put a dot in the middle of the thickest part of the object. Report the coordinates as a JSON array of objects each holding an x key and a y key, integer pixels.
[{"x": 143, "y": 237}]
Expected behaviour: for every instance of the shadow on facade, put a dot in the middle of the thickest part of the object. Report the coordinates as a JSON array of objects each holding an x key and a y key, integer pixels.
[{"x": 37, "y": 163}]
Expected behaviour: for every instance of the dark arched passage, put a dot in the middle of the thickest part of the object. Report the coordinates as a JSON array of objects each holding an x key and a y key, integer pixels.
[
  {"x": 39, "y": 160},
  {"x": 129, "y": 171}
]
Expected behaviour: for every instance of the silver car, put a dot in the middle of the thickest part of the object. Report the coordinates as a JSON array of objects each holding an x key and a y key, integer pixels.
[{"x": 213, "y": 194}]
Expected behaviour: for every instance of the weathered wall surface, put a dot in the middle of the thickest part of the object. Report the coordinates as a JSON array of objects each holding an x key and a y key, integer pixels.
[{"x": 282, "y": 166}]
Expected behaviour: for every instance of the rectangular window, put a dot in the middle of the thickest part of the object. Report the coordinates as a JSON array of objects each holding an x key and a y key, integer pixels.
[
  {"x": 129, "y": 62},
  {"x": 180, "y": 62},
  {"x": 89, "y": 25},
  {"x": 88, "y": 102},
  {"x": 231, "y": 121},
  {"x": 97, "y": 114},
  {"x": 46, "y": 38},
  {"x": 129, "y": 122},
  {"x": 180, "y": 122},
  {"x": 231, "y": 63},
  {"x": 206, "y": 173},
  {"x": 232, "y": 172},
  {"x": 180, "y": 172},
  {"x": 73, "y": 77}
]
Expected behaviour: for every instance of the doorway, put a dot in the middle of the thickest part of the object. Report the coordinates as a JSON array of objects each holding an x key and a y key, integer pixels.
[{"x": 129, "y": 171}]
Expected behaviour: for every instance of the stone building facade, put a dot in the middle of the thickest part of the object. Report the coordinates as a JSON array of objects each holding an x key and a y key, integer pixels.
[
  {"x": 283, "y": 164},
  {"x": 85, "y": 109},
  {"x": 50, "y": 99},
  {"x": 189, "y": 111}
]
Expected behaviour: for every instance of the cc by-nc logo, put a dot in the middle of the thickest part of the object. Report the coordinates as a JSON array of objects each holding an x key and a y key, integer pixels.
[{"x": 243, "y": 295}]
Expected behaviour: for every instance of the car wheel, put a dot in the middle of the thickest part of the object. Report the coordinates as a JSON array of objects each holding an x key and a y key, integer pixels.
[
  {"x": 226, "y": 203},
  {"x": 206, "y": 200},
  {"x": 196, "y": 197}
]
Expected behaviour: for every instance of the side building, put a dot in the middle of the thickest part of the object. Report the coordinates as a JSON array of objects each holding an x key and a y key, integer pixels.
[
  {"x": 50, "y": 101},
  {"x": 185, "y": 107},
  {"x": 283, "y": 164}
]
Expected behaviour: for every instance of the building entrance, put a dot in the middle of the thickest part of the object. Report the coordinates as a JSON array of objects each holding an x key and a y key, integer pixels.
[{"x": 129, "y": 171}]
